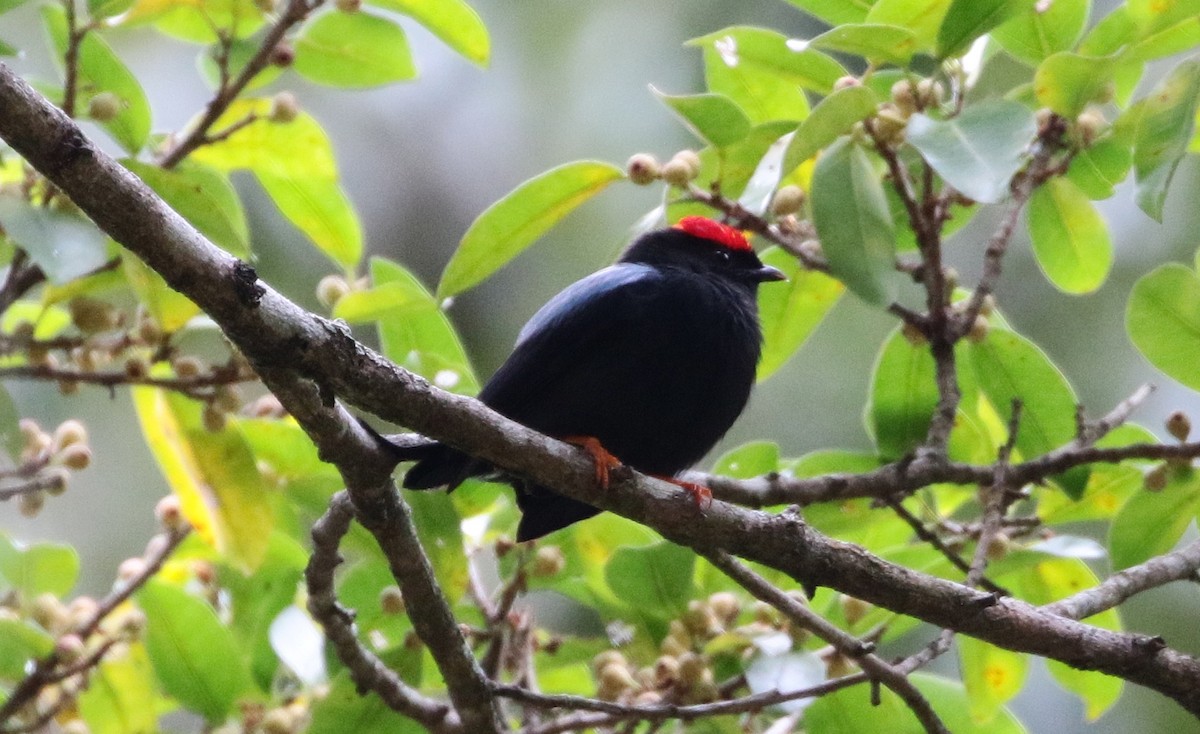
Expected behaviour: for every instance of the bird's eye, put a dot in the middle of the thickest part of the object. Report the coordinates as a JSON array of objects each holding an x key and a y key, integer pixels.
[{"x": 721, "y": 255}]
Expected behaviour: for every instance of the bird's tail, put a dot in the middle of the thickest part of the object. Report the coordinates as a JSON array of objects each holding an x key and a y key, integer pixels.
[{"x": 437, "y": 465}]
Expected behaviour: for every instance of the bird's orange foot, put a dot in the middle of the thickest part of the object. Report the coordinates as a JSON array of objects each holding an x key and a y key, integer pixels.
[
  {"x": 603, "y": 461},
  {"x": 700, "y": 494}
]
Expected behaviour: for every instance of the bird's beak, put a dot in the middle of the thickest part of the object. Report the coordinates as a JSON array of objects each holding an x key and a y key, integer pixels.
[{"x": 766, "y": 273}]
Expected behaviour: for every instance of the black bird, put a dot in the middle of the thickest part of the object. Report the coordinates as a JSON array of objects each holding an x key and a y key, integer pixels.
[{"x": 652, "y": 357}]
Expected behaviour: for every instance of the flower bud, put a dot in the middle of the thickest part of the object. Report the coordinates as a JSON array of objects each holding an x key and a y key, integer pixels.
[
  {"x": 169, "y": 513},
  {"x": 104, "y": 107},
  {"x": 76, "y": 457},
  {"x": 846, "y": 82},
  {"x": 904, "y": 96},
  {"x": 391, "y": 601},
  {"x": 91, "y": 315},
  {"x": 1179, "y": 425},
  {"x": 548, "y": 561},
  {"x": 331, "y": 289},
  {"x": 787, "y": 200},
  {"x": 642, "y": 169},
  {"x": 187, "y": 367},
  {"x": 1156, "y": 479},
  {"x": 726, "y": 606},
  {"x": 677, "y": 173},
  {"x": 284, "y": 107},
  {"x": 29, "y": 504},
  {"x": 854, "y": 609}
]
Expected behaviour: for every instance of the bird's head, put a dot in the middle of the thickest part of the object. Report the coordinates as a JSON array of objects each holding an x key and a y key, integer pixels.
[{"x": 705, "y": 246}]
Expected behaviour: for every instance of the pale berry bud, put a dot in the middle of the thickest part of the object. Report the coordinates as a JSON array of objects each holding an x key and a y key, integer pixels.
[
  {"x": 642, "y": 169},
  {"x": 677, "y": 173},
  {"x": 31, "y": 503},
  {"x": 69, "y": 648},
  {"x": 55, "y": 479},
  {"x": 787, "y": 200},
  {"x": 284, "y": 107},
  {"x": 1156, "y": 479},
  {"x": 1179, "y": 425},
  {"x": 130, "y": 569},
  {"x": 76, "y": 457},
  {"x": 331, "y": 289},
  {"x": 979, "y": 329},
  {"x": 853, "y": 609},
  {"x": 904, "y": 96},
  {"x": 391, "y": 601},
  {"x": 283, "y": 55},
  {"x": 548, "y": 561},
  {"x": 104, "y": 107},
  {"x": 691, "y": 159},
  {"x": 846, "y": 82}
]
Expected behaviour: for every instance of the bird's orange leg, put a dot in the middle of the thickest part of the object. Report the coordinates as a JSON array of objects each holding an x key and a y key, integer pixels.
[
  {"x": 603, "y": 461},
  {"x": 701, "y": 494}
]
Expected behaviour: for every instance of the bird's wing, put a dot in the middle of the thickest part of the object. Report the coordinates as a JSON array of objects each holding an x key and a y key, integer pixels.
[{"x": 584, "y": 324}]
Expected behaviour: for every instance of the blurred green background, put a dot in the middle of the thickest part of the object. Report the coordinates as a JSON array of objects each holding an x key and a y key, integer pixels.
[{"x": 568, "y": 80}]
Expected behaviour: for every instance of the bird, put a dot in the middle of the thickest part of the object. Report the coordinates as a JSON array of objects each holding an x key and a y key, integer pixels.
[{"x": 646, "y": 363}]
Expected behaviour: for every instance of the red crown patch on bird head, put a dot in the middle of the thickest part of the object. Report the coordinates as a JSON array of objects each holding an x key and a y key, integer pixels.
[{"x": 708, "y": 229}]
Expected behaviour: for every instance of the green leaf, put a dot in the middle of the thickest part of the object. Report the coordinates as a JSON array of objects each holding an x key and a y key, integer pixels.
[
  {"x": 20, "y": 642},
  {"x": 213, "y": 474},
  {"x": 1163, "y": 321},
  {"x": 879, "y": 44},
  {"x": 979, "y": 151},
  {"x": 170, "y": 308},
  {"x": 1010, "y": 367},
  {"x": 11, "y": 440},
  {"x": 108, "y": 8},
  {"x": 298, "y": 148},
  {"x": 64, "y": 246},
  {"x": 1112, "y": 32},
  {"x": 122, "y": 696},
  {"x": 922, "y": 17},
  {"x": 202, "y": 196},
  {"x": 416, "y": 334},
  {"x": 1151, "y": 523},
  {"x": 1068, "y": 82},
  {"x": 1167, "y": 42},
  {"x": 757, "y": 90},
  {"x": 453, "y": 21},
  {"x": 852, "y": 711},
  {"x": 1163, "y": 133},
  {"x": 836, "y": 12},
  {"x": 515, "y": 221},
  {"x": 748, "y": 460},
  {"x": 1043, "y": 30},
  {"x": 1098, "y": 169},
  {"x": 852, "y": 219},
  {"x": 344, "y": 709},
  {"x": 438, "y": 527},
  {"x": 194, "y": 655},
  {"x": 101, "y": 71},
  {"x": 353, "y": 50},
  {"x": 764, "y": 52},
  {"x": 204, "y": 23},
  {"x": 1151, "y": 16},
  {"x": 240, "y": 52},
  {"x": 656, "y": 579},
  {"x": 969, "y": 19},
  {"x": 319, "y": 208},
  {"x": 41, "y": 568},
  {"x": 833, "y": 117},
  {"x": 7, "y": 5},
  {"x": 1070, "y": 238},
  {"x": 789, "y": 313},
  {"x": 991, "y": 676},
  {"x": 714, "y": 118},
  {"x": 903, "y": 396}
]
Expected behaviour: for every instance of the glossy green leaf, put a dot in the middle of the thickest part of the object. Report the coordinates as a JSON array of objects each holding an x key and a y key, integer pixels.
[
  {"x": 979, "y": 151},
  {"x": 1068, "y": 82},
  {"x": 991, "y": 675},
  {"x": 11, "y": 440},
  {"x": 1010, "y": 367},
  {"x": 1168, "y": 41},
  {"x": 969, "y": 19},
  {"x": 761, "y": 51},
  {"x": 21, "y": 642},
  {"x": 1164, "y": 131},
  {"x": 656, "y": 579},
  {"x": 1043, "y": 30},
  {"x": 320, "y": 209},
  {"x": 108, "y": 8},
  {"x": 757, "y": 90},
  {"x": 438, "y": 527},
  {"x": 833, "y": 117},
  {"x": 1098, "y": 169},
  {"x": 122, "y": 694},
  {"x": 790, "y": 312},
  {"x": 852, "y": 219},
  {"x": 748, "y": 460},
  {"x": 851, "y": 711},
  {"x": 1070, "y": 238},
  {"x": 453, "y": 21},
  {"x": 1110, "y": 34},
  {"x": 1098, "y": 691},
  {"x": 1151, "y": 16},
  {"x": 515, "y": 221},
  {"x": 353, "y": 50},
  {"x": 344, "y": 709},
  {"x": 922, "y": 17},
  {"x": 714, "y": 118},
  {"x": 195, "y": 657},
  {"x": 1163, "y": 321},
  {"x": 298, "y": 148},
  {"x": 171, "y": 309},
  {"x": 881, "y": 44},
  {"x": 63, "y": 245},
  {"x": 1151, "y": 523},
  {"x": 101, "y": 71},
  {"x": 203, "y": 23},
  {"x": 416, "y": 334},
  {"x": 835, "y": 12},
  {"x": 214, "y": 475},
  {"x": 40, "y": 568},
  {"x": 205, "y": 198},
  {"x": 903, "y": 396}
]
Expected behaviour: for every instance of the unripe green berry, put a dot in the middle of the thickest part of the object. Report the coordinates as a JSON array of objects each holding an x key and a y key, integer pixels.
[
  {"x": 642, "y": 169},
  {"x": 284, "y": 107},
  {"x": 104, "y": 107},
  {"x": 677, "y": 173},
  {"x": 391, "y": 601},
  {"x": 331, "y": 289},
  {"x": 904, "y": 96},
  {"x": 691, "y": 159},
  {"x": 1179, "y": 425},
  {"x": 787, "y": 200},
  {"x": 91, "y": 315}
]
